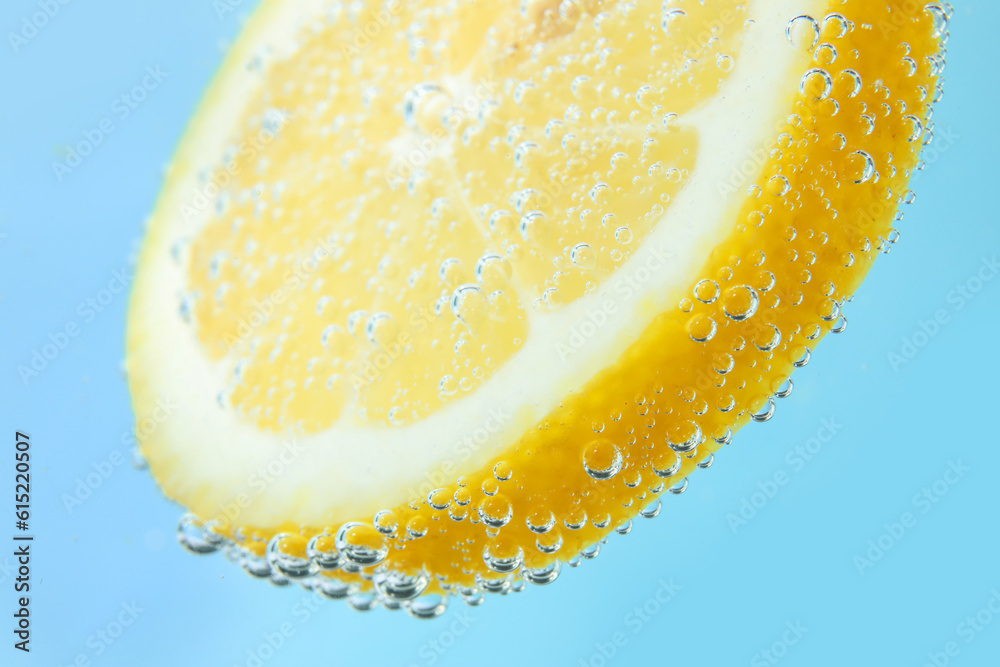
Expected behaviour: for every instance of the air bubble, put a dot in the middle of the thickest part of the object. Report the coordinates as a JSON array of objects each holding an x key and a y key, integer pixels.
[
  {"x": 583, "y": 256},
  {"x": 940, "y": 17},
  {"x": 137, "y": 460},
  {"x": 416, "y": 527},
  {"x": 765, "y": 412},
  {"x": 496, "y": 511},
  {"x": 740, "y": 302},
  {"x": 918, "y": 128},
  {"x": 802, "y": 32},
  {"x": 599, "y": 193},
  {"x": 671, "y": 19},
  {"x": 723, "y": 363},
  {"x": 361, "y": 544},
  {"x": 576, "y": 520},
  {"x": 836, "y": 25},
  {"x": 707, "y": 291},
  {"x": 785, "y": 389},
  {"x": 854, "y": 81},
  {"x": 826, "y": 55},
  {"x": 525, "y": 93},
  {"x": 423, "y": 106},
  {"x": 679, "y": 488},
  {"x": 532, "y": 225},
  {"x": 863, "y": 166},
  {"x": 685, "y": 436},
  {"x": 501, "y": 562},
  {"x": 524, "y": 153},
  {"x": 491, "y": 267},
  {"x": 502, "y": 471},
  {"x": 330, "y": 588},
  {"x": 254, "y": 565},
  {"x": 399, "y": 587},
  {"x": 289, "y": 565},
  {"x": 778, "y": 186},
  {"x": 549, "y": 543},
  {"x": 468, "y": 303},
  {"x": 193, "y": 537},
  {"x": 768, "y": 338},
  {"x": 583, "y": 88},
  {"x": 380, "y": 329},
  {"x": 322, "y": 551},
  {"x": 427, "y": 607},
  {"x": 652, "y": 510},
  {"x": 816, "y": 83},
  {"x": 541, "y": 521},
  {"x": 701, "y": 328},
  {"x": 363, "y": 601},
  {"x": 439, "y": 499},
  {"x": 602, "y": 460},
  {"x": 448, "y": 385},
  {"x": 541, "y": 576}
]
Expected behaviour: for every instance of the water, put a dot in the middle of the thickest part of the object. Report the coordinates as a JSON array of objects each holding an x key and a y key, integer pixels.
[{"x": 800, "y": 523}]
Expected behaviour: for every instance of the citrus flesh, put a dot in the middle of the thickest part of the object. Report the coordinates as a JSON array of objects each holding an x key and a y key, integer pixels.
[{"x": 446, "y": 294}]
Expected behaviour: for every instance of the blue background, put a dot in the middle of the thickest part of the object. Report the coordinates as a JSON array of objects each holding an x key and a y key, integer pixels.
[{"x": 793, "y": 563}]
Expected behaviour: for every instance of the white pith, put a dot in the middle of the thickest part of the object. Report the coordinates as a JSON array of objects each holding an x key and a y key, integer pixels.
[{"x": 207, "y": 457}]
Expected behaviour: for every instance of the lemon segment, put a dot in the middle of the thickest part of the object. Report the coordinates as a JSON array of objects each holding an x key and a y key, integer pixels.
[{"x": 450, "y": 293}]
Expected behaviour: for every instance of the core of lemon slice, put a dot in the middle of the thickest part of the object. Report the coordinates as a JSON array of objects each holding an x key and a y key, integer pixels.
[{"x": 448, "y": 292}]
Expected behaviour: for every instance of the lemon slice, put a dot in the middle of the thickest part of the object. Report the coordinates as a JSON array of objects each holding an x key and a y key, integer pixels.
[{"x": 446, "y": 293}]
